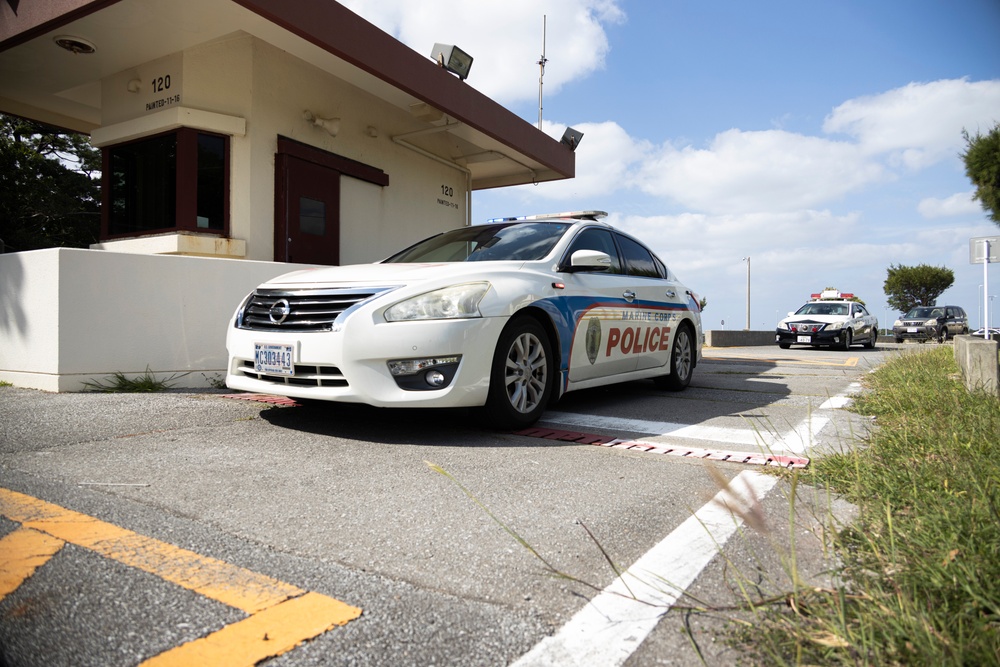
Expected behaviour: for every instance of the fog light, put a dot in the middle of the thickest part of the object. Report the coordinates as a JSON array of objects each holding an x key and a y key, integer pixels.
[
  {"x": 435, "y": 378},
  {"x": 414, "y": 366}
]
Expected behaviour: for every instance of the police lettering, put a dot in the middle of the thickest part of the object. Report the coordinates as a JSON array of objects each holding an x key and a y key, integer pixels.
[{"x": 637, "y": 340}]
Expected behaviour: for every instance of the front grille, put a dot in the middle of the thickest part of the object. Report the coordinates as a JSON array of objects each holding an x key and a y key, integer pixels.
[
  {"x": 305, "y": 376},
  {"x": 300, "y": 310}
]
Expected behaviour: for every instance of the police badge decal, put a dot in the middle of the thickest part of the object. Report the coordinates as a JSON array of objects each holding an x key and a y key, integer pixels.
[{"x": 593, "y": 339}]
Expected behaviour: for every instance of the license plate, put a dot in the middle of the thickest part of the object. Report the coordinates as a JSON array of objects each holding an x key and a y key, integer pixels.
[
  {"x": 803, "y": 339},
  {"x": 273, "y": 359},
  {"x": 911, "y": 330}
]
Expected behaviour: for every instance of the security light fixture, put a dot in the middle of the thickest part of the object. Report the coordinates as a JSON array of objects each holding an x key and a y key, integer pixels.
[
  {"x": 76, "y": 45},
  {"x": 571, "y": 138},
  {"x": 453, "y": 59}
]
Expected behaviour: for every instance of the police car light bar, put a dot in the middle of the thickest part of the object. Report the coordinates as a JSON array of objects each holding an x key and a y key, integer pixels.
[
  {"x": 832, "y": 294},
  {"x": 576, "y": 215}
]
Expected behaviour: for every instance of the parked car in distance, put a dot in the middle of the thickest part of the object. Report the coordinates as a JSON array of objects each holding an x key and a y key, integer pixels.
[
  {"x": 503, "y": 316},
  {"x": 830, "y": 319},
  {"x": 925, "y": 323}
]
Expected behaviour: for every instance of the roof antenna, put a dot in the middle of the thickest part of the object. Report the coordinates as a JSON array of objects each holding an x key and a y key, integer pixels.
[{"x": 541, "y": 73}]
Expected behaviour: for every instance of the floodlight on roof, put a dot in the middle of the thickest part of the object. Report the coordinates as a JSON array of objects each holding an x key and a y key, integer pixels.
[
  {"x": 453, "y": 59},
  {"x": 571, "y": 138}
]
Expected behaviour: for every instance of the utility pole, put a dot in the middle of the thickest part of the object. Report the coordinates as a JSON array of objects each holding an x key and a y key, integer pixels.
[
  {"x": 541, "y": 73},
  {"x": 747, "y": 260}
]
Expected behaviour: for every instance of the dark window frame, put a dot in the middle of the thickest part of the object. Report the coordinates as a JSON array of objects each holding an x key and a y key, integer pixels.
[{"x": 185, "y": 189}]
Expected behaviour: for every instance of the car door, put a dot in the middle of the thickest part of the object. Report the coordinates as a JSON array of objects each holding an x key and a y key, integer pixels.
[
  {"x": 649, "y": 334},
  {"x": 599, "y": 308},
  {"x": 862, "y": 322}
]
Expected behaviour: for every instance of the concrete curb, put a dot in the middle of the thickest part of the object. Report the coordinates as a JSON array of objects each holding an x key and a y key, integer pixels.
[{"x": 977, "y": 359}]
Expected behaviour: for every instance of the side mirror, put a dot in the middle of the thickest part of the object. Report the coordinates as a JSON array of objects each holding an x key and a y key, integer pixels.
[{"x": 588, "y": 260}]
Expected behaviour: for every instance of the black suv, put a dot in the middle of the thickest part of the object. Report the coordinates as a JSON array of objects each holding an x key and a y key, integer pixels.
[{"x": 931, "y": 322}]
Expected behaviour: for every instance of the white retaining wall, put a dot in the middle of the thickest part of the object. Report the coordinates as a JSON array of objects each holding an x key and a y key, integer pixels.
[{"x": 70, "y": 316}]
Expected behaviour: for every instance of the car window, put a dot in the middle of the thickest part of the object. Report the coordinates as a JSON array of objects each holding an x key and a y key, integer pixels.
[
  {"x": 509, "y": 241},
  {"x": 596, "y": 239},
  {"x": 638, "y": 260}
]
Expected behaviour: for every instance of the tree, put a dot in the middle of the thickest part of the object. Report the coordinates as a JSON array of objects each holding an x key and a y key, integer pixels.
[
  {"x": 49, "y": 186},
  {"x": 909, "y": 286},
  {"x": 982, "y": 166}
]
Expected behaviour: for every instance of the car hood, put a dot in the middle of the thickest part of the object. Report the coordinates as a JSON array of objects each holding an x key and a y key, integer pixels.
[
  {"x": 825, "y": 319},
  {"x": 389, "y": 274}
]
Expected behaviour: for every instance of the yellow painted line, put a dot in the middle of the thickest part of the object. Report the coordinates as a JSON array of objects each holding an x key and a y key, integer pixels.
[
  {"x": 24, "y": 551},
  {"x": 281, "y": 616},
  {"x": 264, "y": 635},
  {"x": 215, "y": 579}
]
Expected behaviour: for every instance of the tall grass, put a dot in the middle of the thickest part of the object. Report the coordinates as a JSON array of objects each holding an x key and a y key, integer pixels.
[{"x": 921, "y": 564}]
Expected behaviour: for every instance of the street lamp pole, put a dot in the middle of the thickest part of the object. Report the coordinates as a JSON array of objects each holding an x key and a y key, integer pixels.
[{"x": 747, "y": 260}]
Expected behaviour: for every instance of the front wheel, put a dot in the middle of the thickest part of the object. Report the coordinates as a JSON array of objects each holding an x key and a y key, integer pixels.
[
  {"x": 846, "y": 345},
  {"x": 521, "y": 375},
  {"x": 682, "y": 360}
]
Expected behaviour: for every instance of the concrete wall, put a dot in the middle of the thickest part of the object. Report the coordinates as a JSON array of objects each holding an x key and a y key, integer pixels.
[
  {"x": 71, "y": 316},
  {"x": 978, "y": 360},
  {"x": 736, "y": 338}
]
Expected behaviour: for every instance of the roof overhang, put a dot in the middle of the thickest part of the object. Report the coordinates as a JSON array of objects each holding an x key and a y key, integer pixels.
[{"x": 39, "y": 80}]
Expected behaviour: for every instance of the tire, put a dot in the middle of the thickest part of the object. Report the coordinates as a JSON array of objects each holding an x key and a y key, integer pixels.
[
  {"x": 521, "y": 375},
  {"x": 846, "y": 345},
  {"x": 942, "y": 334},
  {"x": 870, "y": 343},
  {"x": 682, "y": 361},
  {"x": 784, "y": 346}
]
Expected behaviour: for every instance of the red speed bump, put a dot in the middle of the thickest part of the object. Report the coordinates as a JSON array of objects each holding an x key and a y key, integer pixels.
[{"x": 662, "y": 448}]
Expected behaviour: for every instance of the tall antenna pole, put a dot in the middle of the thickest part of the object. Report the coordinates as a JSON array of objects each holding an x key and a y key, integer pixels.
[{"x": 541, "y": 73}]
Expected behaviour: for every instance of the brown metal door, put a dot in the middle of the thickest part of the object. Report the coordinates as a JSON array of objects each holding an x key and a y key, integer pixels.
[{"x": 307, "y": 215}]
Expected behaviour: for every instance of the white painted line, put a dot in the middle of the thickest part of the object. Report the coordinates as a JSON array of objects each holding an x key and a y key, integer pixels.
[
  {"x": 836, "y": 402},
  {"x": 616, "y": 622}
]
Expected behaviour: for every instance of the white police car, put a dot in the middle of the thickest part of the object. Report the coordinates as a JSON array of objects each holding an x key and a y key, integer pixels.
[
  {"x": 506, "y": 315},
  {"x": 830, "y": 318}
]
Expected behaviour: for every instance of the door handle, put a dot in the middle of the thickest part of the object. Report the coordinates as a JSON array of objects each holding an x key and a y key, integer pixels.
[
  {"x": 629, "y": 295},
  {"x": 672, "y": 294}
]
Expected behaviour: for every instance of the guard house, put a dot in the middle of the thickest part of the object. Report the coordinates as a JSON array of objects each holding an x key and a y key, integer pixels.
[{"x": 238, "y": 136}]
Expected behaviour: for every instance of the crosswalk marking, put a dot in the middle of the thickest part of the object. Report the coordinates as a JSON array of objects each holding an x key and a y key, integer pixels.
[{"x": 281, "y": 615}]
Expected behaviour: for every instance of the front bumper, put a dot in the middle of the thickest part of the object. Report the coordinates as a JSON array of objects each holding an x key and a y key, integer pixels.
[
  {"x": 786, "y": 337},
  {"x": 915, "y": 332},
  {"x": 350, "y": 365}
]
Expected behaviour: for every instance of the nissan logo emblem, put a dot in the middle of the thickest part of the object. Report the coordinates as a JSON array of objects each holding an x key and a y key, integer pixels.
[{"x": 279, "y": 311}]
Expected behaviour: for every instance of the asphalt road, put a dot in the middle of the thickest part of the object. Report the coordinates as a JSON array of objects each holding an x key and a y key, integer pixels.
[{"x": 160, "y": 511}]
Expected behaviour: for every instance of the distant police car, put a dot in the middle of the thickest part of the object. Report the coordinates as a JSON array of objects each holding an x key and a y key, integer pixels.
[
  {"x": 830, "y": 319},
  {"x": 505, "y": 315}
]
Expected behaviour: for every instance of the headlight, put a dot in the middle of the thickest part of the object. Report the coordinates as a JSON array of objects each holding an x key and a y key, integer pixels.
[
  {"x": 835, "y": 326},
  {"x": 897, "y": 323},
  {"x": 931, "y": 323},
  {"x": 455, "y": 302}
]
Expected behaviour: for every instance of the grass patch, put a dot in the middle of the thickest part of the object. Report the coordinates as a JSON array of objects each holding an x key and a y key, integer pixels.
[
  {"x": 921, "y": 565},
  {"x": 120, "y": 383}
]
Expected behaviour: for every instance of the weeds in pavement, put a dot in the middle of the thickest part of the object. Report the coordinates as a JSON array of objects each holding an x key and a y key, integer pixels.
[
  {"x": 121, "y": 383},
  {"x": 920, "y": 573}
]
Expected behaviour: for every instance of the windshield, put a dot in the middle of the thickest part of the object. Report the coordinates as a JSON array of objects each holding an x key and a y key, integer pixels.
[
  {"x": 823, "y": 309},
  {"x": 507, "y": 241},
  {"x": 925, "y": 313}
]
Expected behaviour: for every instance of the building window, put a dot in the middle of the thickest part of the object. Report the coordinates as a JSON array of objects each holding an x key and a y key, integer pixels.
[{"x": 170, "y": 182}]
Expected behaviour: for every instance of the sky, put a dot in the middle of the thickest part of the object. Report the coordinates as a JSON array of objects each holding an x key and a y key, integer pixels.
[{"x": 820, "y": 138}]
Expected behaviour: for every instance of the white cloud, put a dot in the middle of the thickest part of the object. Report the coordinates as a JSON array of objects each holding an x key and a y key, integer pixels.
[
  {"x": 771, "y": 170},
  {"x": 504, "y": 38},
  {"x": 961, "y": 203},
  {"x": 920, "y": 123}
]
